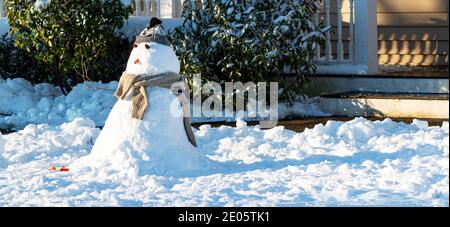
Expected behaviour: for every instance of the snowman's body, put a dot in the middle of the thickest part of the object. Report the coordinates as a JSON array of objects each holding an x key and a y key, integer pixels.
[{"x": 158, "y": 144}]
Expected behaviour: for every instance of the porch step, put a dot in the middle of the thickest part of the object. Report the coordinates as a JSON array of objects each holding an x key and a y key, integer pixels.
[
  {"x": 418, "y": 72},
  {"x": 426, "y": 84},
  {"x": 386, "y": 104},
  {"x": 388, "y": 95}
]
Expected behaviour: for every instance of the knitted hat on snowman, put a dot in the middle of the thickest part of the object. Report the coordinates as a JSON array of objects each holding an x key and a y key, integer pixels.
[{"x": 155, "y": 33}]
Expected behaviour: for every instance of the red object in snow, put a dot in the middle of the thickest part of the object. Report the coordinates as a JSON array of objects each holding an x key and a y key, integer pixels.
[
  {"x": 52, "y": 168},
  {"x": 64, "y": 169}
]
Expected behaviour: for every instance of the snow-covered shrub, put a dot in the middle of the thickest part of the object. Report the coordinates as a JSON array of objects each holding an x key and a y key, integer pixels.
[
  {"x": 72, "y": 37},
  {"x": 248, "y": 40}
]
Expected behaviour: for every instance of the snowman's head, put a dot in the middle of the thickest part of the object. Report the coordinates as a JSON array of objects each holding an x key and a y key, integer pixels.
[{"x": 152, "y": 52}]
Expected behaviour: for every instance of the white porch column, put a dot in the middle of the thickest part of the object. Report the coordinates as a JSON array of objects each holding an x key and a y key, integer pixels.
[
  {"x": 138, "y": 7},
  {"x": 366, "y": 29},
  {"x": 166, "y": 7},
  {"x": 176, "y": 8}
]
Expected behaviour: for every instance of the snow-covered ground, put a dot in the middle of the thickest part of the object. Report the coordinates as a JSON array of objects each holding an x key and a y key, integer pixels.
[
  {"x": 21, "y": 103},
  {"x": 360, "y": 162}
]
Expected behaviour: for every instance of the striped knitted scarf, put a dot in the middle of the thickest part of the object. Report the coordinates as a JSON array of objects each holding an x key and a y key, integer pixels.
[{"x": 139, "y": 99}]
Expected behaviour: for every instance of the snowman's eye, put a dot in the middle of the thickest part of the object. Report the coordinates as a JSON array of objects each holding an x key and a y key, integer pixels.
[
  {"x": 147, "y": 46},
  {"x": 135, "y": 45}
]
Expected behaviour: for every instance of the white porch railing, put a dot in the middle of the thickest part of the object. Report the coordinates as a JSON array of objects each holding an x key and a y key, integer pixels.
[
  {"x": 351, "y": 45},
  {"x": 359, "y": 18},
  {"x": 157, "y": 8}
]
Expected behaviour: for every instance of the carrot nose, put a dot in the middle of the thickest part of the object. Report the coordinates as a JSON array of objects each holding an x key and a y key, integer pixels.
[{"x": 136, "y": 61}]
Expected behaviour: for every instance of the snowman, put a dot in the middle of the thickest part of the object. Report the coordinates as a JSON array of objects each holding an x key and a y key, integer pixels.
[{"x": 147, "y": 131}]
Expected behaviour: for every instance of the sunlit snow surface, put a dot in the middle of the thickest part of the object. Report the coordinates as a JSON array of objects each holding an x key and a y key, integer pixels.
[{"x": 361, "y": 162}]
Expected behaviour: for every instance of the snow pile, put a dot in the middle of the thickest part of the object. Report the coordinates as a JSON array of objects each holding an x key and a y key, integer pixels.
[
  {"x": 18, "y": 95},
  {"x": 36, "y": 142},
  {"x": 2, "y": 143},
  {"x": 22, "y": 104},
  {"x": 359, "y": 139},
  {"x": 2, "y": 146},
  {"x": 360, "y": 162}
]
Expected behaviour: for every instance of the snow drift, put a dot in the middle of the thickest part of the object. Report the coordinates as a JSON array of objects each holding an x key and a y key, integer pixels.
[
  {"x": 21, "y": 104},
  {"x": 360, "y": 162}
]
